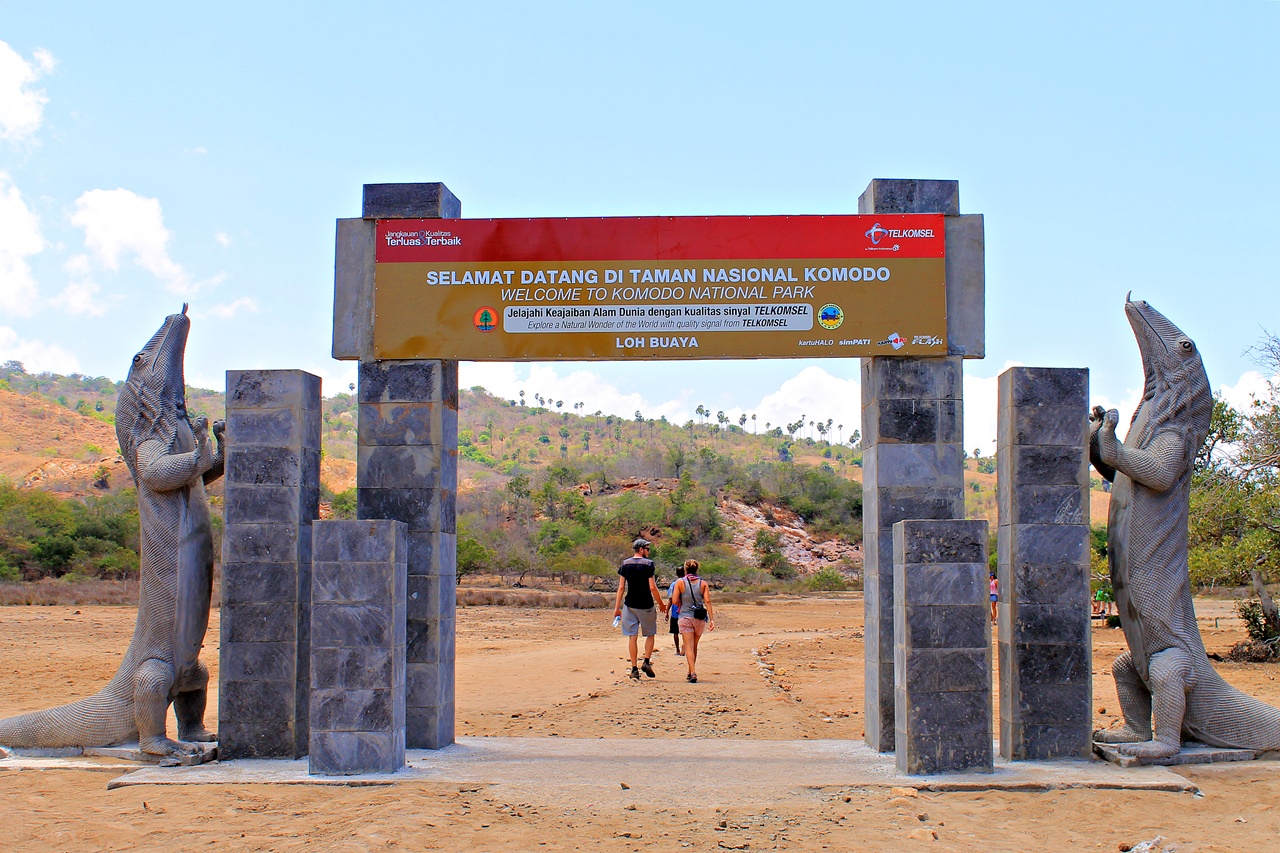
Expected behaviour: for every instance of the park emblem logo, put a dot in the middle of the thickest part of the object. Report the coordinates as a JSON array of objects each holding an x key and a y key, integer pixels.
[
  {"x": 830, "y": 316},
  {"x": 485, "y": 319}
]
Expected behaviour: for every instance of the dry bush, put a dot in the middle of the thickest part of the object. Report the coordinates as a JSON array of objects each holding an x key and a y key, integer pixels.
[
  {"x": 1253, "y": 651},
  {"x": 70, "y": 593},
  {"x": 573, "y": 599}
]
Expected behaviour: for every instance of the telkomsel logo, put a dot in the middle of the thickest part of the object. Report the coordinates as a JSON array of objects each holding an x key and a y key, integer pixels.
[
  {"x": 422, "y": 238},
  {"x": 876, "y": 233}
]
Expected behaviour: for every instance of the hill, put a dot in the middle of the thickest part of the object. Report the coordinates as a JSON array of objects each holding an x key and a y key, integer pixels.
[{"x": 544, "y": 486}]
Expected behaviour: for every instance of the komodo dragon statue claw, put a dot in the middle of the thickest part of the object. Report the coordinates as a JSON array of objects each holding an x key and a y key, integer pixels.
[
  {"x": 171, "y": 458},
  {"x": 1165, "y": 673}
]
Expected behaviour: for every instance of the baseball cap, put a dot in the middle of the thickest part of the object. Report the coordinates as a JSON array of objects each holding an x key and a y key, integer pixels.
[{"x": 640, "y": 543}]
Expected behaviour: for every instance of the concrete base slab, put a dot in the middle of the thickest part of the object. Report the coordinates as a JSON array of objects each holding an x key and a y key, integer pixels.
[
  {"x": 720, "y": 772},
  {"x": 1191, "y": 753},
  {"x": 126, "y": 752}
]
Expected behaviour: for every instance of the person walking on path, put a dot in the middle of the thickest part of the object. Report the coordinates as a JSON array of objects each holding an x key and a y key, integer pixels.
[
  {"x": 673, "y": 612},
  {"x": 693, "y": 597},
  {"x": 635, "y": 604},
  {"x": 994, "y": 594}
]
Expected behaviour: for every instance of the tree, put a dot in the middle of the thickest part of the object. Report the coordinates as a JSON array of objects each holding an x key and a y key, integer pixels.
[{"x": 1235, "y": 490}]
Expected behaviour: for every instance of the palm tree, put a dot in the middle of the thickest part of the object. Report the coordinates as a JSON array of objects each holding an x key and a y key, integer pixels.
[{"x": 753, "y": 423}]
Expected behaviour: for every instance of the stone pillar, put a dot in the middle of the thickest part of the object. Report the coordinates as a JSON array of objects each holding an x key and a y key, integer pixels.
[
  {"x": 272, "y": 495},
  {"x": 408, "y": 471},
  {"x": 358, "y": 589},
  {"x": 942, "y": 647},
  {"x": 1045, "y": 645},
  {"x": 912, "y": 411},
  {"x": 407, "y": 464},
  {"x": 913, "y": 468}
]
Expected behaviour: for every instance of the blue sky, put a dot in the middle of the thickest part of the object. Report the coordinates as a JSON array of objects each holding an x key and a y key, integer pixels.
[{"x": 152, "y": 154}]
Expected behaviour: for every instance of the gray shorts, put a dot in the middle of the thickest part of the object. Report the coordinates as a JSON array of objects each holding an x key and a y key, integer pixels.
[{"x": 639, "y": 621}]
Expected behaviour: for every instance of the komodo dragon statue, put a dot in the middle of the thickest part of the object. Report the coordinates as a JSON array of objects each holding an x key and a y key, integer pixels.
[
  {"x": 171, "y": 459},
  {"x": 1165, "y": 672}
]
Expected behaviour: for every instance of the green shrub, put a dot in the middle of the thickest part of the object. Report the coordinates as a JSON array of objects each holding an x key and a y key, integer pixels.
[
  {"x": 826, "y": 580},
  {"x": 344, "y": 504},
  {"x": 1255, "y": 621},
  {"x": 768, "y": 548}
]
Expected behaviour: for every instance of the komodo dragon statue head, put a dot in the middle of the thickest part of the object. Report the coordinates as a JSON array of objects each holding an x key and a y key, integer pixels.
[
  {"x": 153, "y": 398},
  {"x": 171, "y": 458},
  {"x": 1173, "y": 375}
]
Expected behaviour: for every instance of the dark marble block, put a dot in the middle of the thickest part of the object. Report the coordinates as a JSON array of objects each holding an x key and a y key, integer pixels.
[
  {"x": 910, "y": 195},
  {"x": 410, "y": 201},
  {"x": 342, "y": 753},
  {"x": 1044, "y": 630},
  {"x": 1066, "y": 426},
  {"x": 1032, "y": 387},
  {"x": 1042, "y": 464},
  {"x": 891, "y": 378},
  {"x": 272, "y": 389},
  {"x": 259, "y": 583},
  {"x": 271, "y": 497},
  {"x": 942, "y": 646},
  {"x": 948, "y": 753},
  {"x": 258, "y": 739},
  {"x": 425, "y": 381},
  {"x": 420, "y": 509},
  {"x": 358, "y": 672},
  {"x": 1044, "y": 544},
  {"x": 408, "y": 466},
  {"x": 407, "y": 424}
]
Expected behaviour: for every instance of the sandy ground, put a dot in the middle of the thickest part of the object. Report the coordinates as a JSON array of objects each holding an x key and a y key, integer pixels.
[{"x": 560, "y": 673}]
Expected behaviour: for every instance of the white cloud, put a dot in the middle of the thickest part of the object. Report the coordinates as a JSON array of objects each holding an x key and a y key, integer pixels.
[
  {"x": 981, "y": 402},
  {"x": 21, "y": 107},
  {"x": 120, "y": 223},
  {"x": 1251, "y": 384},
  {"x": 230, "y": 309},
  {"x": 223, "y": 238},
  {"x": 20, "y": 238},
  {"x": 35, "y": 355},
  {"x": 813, "y": 393},
  {"x": 580, "y": 386},
  {"x": 81, "y": 297}
]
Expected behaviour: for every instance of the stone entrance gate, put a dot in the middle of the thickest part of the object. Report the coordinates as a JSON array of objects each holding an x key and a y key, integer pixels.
[{"x": 338, "y": 638}]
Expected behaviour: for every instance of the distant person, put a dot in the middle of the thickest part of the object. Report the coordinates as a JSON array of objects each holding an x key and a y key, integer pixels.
[
  {"x": 635, "y": 604},
  {"x": 693, "y": 597},
  {"x": 995, "y": 595},
  {"x": 673, "y": 612}
]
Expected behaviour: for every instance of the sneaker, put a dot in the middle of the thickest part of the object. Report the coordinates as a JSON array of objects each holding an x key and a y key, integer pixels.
[
  {"x": 647, "y": 668},
  {"x": 635, "y": 673}
]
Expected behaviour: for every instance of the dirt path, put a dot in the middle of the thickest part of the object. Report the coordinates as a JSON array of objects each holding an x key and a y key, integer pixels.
[{"x": 561, "y": 674}]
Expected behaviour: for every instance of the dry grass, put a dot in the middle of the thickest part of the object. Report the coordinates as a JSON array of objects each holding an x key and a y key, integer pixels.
[
  {"x": 70, "y": 593},
  {"x": 573, "y": 599}
]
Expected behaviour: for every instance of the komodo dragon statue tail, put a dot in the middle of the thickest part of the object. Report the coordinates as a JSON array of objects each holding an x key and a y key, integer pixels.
[
  {"x": 171, "y": 459},
  {"x": 1165, "y": 673}
]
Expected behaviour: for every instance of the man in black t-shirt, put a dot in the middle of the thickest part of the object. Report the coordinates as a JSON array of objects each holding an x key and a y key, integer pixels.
[{"x": 637, "y": 593}]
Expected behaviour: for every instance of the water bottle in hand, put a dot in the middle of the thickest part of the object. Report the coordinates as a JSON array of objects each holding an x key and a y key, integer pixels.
[{"x": 617, "y": 620}]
